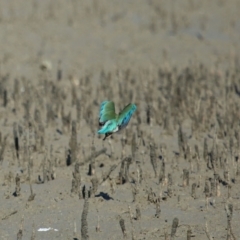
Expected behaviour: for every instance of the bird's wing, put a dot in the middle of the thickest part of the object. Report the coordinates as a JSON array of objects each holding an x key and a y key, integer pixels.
[
  {"x": 107, "y": 112},
  {"x": 125, "y": 115}
]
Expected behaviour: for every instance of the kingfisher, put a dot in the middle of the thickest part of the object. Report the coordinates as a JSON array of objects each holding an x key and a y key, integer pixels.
[{"x": 110, "y": 122}]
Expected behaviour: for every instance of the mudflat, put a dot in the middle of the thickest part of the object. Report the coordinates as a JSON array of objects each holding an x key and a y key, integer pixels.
[{"x": 173, "y": 173}]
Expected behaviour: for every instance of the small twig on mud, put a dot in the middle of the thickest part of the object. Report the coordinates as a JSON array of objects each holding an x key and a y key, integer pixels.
[
  {"x": 207, "y": 232},
  {"x": 20, "y": 231},
  {"x": 107, "y": 175},
  {"x": 84, "y": 225},
  {"x": 94, "y": 155},
  {"x": 10, "y": 214}
]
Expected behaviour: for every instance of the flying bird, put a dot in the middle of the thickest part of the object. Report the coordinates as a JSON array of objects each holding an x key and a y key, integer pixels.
[{"x": 112, "y": 122}]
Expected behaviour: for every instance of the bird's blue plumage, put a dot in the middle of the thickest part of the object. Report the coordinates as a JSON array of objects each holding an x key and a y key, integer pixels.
[
  {"x": 125, "y": 115},
  {"x": 109, "y": 127},
  {"x": 112, "y": 122},
  {"x": 107, "y": 112}
]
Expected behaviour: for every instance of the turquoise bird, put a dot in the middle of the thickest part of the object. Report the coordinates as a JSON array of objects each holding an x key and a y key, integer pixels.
[{"x": 112, "y": 122}]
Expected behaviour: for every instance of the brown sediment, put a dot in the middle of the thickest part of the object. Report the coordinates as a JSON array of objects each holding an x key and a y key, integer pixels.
[{"x": 178, "y": 61}]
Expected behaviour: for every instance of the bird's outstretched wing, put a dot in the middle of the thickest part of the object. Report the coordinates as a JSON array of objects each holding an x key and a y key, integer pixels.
[
  {"x": 107, "y": 112},
  {"x": 125, "y": 115}
]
